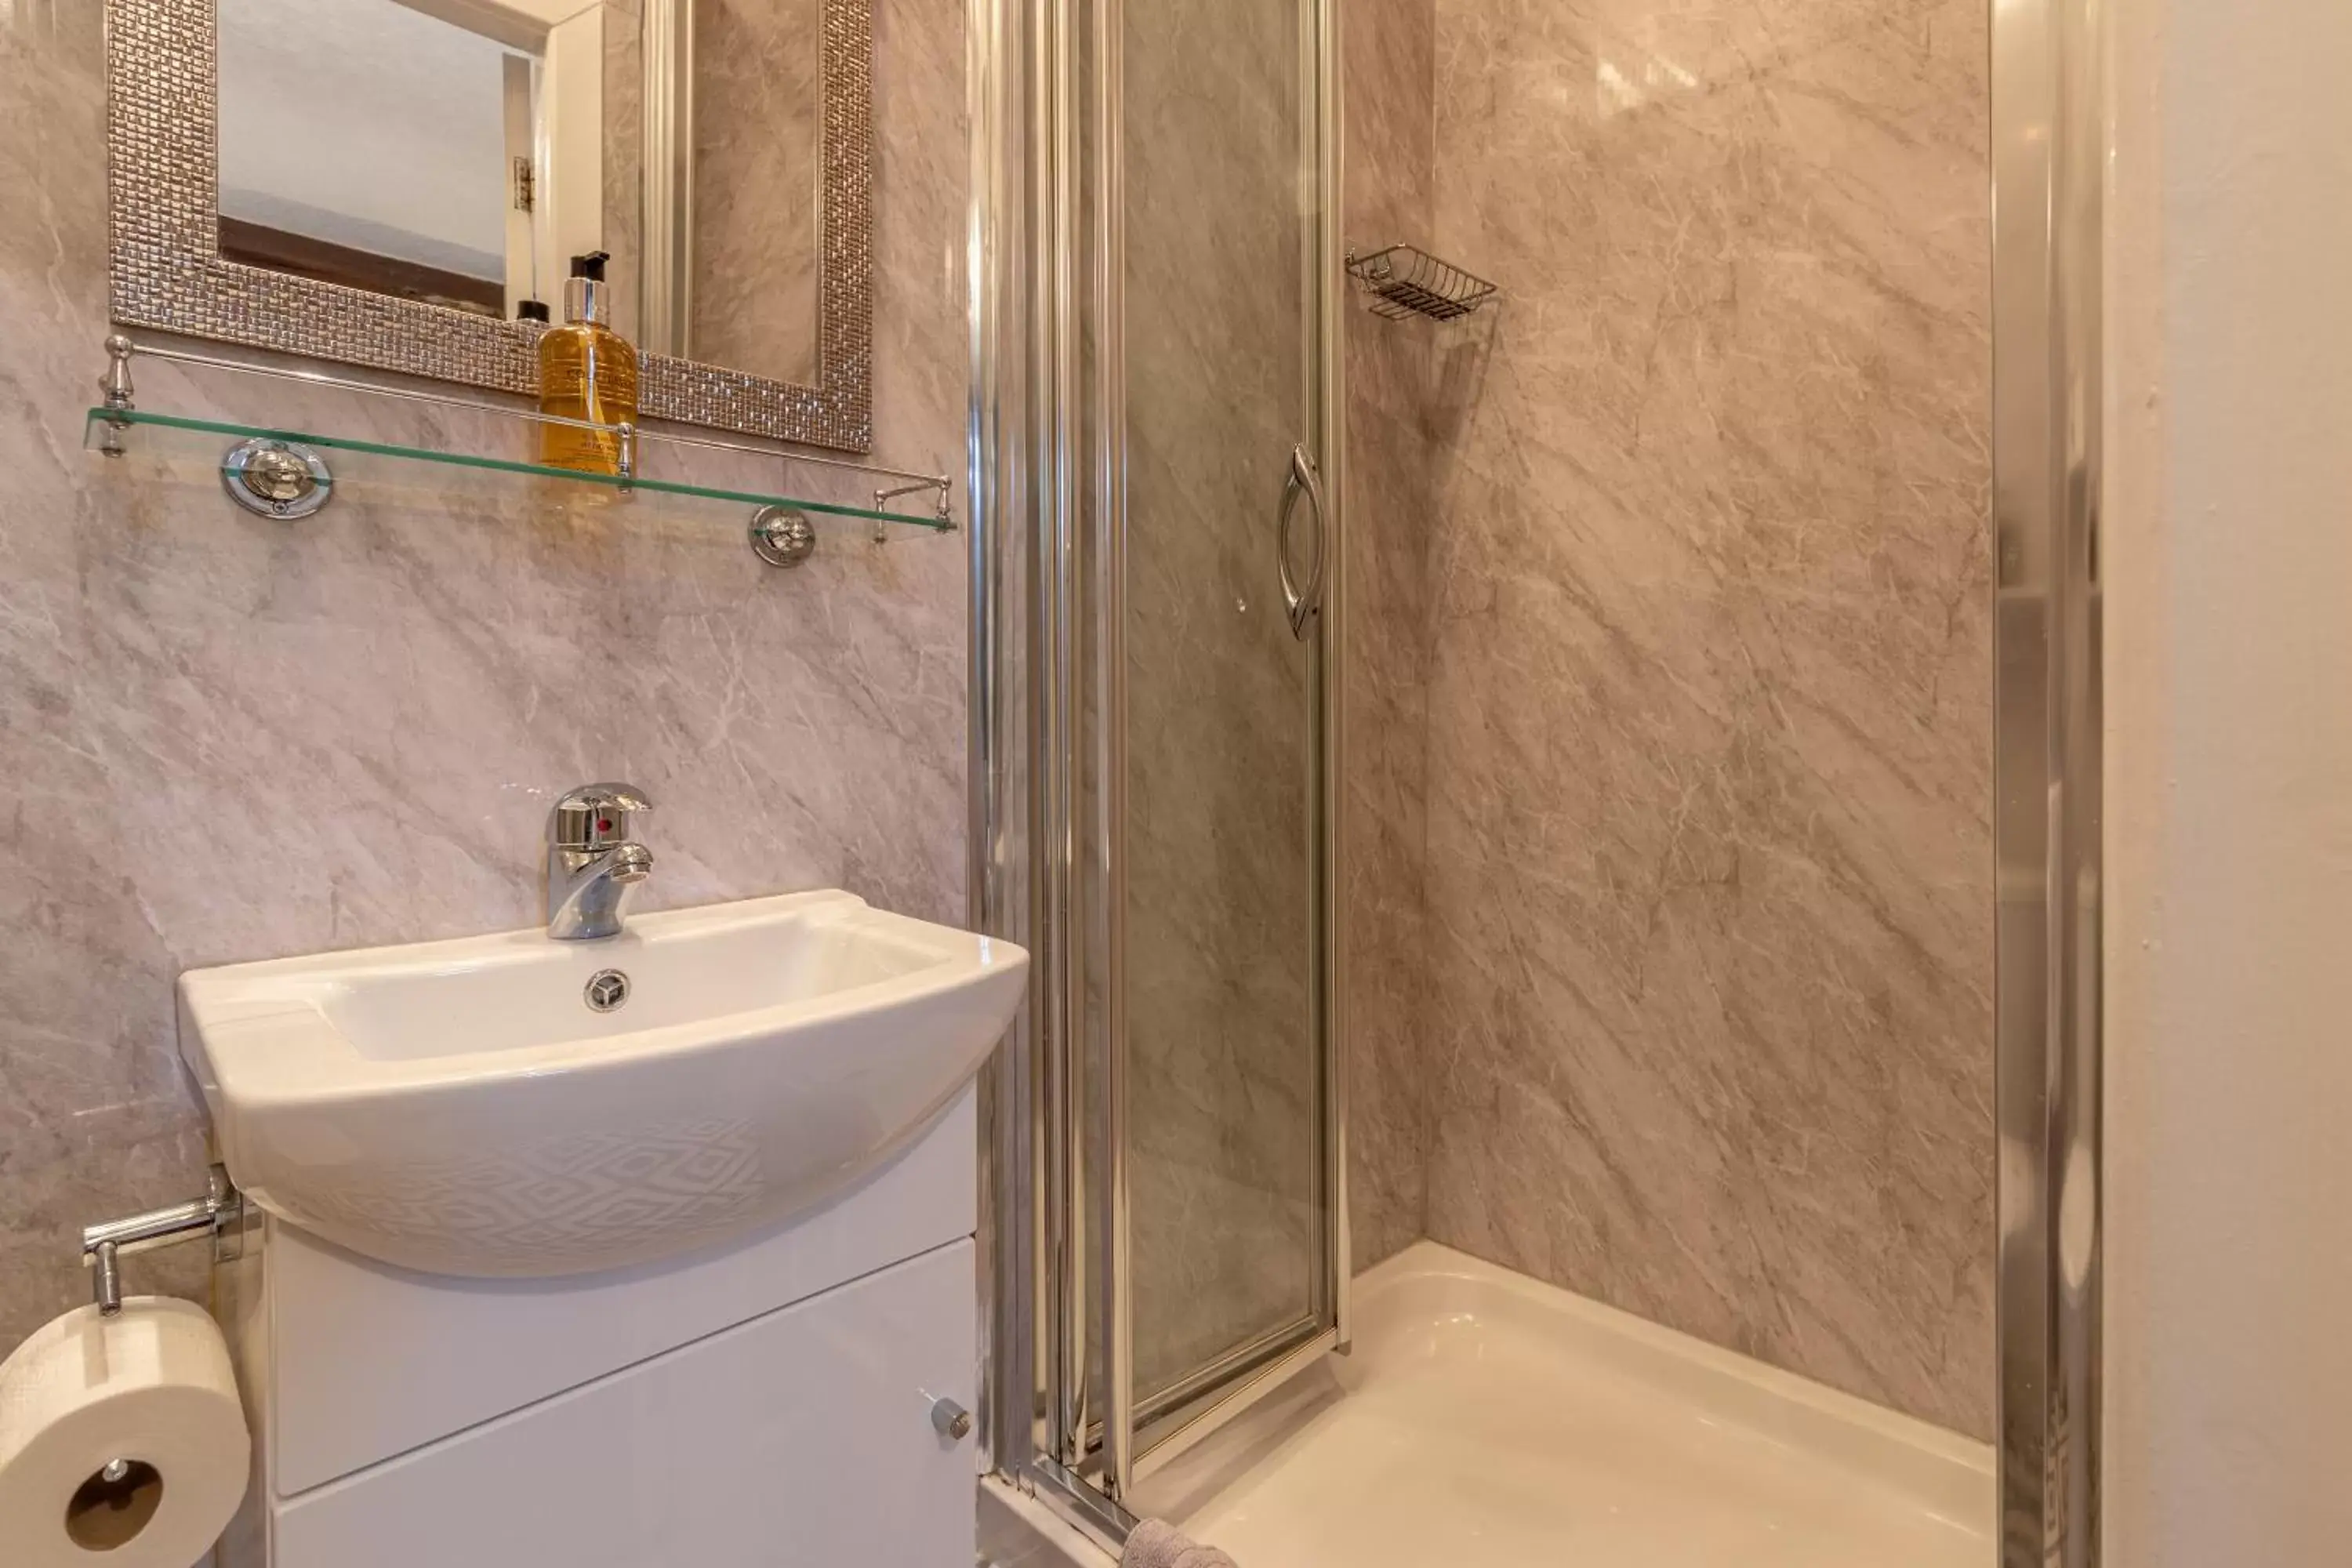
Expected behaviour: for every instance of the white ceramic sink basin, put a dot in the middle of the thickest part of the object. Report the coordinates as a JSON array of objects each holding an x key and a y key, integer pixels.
[{"x": 459, "y": 1107}]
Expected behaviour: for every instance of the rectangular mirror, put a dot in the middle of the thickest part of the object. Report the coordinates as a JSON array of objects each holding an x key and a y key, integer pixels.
[{"x": 404, "y": 182}]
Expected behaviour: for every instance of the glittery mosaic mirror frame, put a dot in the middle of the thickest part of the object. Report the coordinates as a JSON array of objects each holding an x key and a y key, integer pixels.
[{"x": 162, "y": 159}]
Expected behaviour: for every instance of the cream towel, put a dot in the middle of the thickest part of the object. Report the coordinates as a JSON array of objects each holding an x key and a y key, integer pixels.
[{"x": 1155, "y": 1543}]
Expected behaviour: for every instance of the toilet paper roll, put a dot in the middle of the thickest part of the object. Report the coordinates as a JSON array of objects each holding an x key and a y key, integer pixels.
[{"x": 122, "y": 1441}]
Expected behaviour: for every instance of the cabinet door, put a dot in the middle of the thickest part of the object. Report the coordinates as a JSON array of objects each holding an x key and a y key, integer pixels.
[
  {"x": 802, "y": 1439},
  {"x": 367, "y": 1361}
]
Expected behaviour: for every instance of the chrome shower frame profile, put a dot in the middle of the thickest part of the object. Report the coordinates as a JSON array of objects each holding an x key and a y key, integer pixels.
[
  {"x": 2048, "y": 142},
  {"x": 1060, "y": 1414}
]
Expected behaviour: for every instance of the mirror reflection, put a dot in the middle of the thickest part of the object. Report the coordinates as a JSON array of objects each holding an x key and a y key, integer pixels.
[
  {"x": 462, "y": 153},
  {"x": 758, "y": 116}
]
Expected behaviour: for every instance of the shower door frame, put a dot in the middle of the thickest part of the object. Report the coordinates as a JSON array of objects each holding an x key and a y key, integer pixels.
[{"x": 1048, "y": 556}]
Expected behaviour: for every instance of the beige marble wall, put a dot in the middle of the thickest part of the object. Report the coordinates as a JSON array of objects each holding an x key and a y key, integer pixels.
[
  {"x": 1709, "y": 846},
  {"x": 1390, "y": 87},
  {"x": 625, "y": 160},
  {"x": 758, "y": 100},
  {"x": 229, "y": 739}
]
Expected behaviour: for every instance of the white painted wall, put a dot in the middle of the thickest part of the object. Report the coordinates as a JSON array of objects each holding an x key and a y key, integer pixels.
[{"x": 2229, "y": 558}]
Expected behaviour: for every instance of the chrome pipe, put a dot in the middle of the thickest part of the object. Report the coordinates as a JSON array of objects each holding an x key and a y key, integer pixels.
[
  {"x": 997, "y": 827},
  {"x": 1067, "y": 1202},
  {"x": 1330, "y": 928},
  {"x": 2048, "y": 146},
  {"x": 1025, "y": 646},
  {"x": 351, "y": 384},
  {"x": 1107, "y": 232}
]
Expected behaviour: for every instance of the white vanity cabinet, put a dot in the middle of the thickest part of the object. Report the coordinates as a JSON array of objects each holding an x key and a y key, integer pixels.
[{"x": 770, "y": 1405}]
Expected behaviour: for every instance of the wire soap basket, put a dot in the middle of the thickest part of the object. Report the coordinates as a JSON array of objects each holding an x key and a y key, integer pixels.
[{"x": 1404, "y": 280}]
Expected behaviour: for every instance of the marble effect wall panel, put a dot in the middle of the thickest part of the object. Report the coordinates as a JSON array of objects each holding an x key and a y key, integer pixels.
[
  {"x": 1708, "y": 838},
  {"x": 757, "y": 119},
  {"x": 1391, "y": 511},
  {"x": 624, "y": 159},
  {"x": 230, "y": 739}
]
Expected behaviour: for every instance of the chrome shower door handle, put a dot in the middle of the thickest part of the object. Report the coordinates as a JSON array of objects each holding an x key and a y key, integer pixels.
[{"x": 1301, "y": 603}]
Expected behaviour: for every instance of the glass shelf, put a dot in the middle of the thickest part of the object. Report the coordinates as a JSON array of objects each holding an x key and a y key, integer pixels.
[{"x": 362, "y": 466}]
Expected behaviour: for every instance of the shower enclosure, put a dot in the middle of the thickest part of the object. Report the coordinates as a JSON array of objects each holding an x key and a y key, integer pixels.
[
  {"x": 1156, "y": 713},
  {"x": 1157, "y": 264}
]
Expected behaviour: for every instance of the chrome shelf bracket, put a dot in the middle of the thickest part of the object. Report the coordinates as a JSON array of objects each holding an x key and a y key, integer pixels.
[
  {"x": 781, "y": 536},
  {"x": 942, "y": 486},
  {"x": 116, "y": 388},
  {"x": 281, "y": 479}
]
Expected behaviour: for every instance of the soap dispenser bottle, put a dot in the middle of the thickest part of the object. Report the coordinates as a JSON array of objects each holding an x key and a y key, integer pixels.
[{"x": 586, "y": 371}]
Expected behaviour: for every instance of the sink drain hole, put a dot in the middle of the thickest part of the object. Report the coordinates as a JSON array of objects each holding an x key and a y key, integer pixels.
[{"x": 607, "y": 989}]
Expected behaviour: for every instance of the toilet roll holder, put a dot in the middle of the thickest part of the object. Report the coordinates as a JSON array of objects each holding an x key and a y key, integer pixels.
[{"x": 218, "y": 1214}]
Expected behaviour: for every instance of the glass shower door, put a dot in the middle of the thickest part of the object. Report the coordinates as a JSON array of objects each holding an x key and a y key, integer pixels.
[
  {"x": 1155, "y": 423},
  {"x": 1210, "y": 1171},
  {"x": 1221, "y": 717}
]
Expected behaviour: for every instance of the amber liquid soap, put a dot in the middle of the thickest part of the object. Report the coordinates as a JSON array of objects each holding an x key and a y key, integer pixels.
[{"x": 586, "y": 371}]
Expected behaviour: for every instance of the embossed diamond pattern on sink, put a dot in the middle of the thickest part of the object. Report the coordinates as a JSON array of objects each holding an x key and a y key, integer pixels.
[{"x": 571, "y": 1200}]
